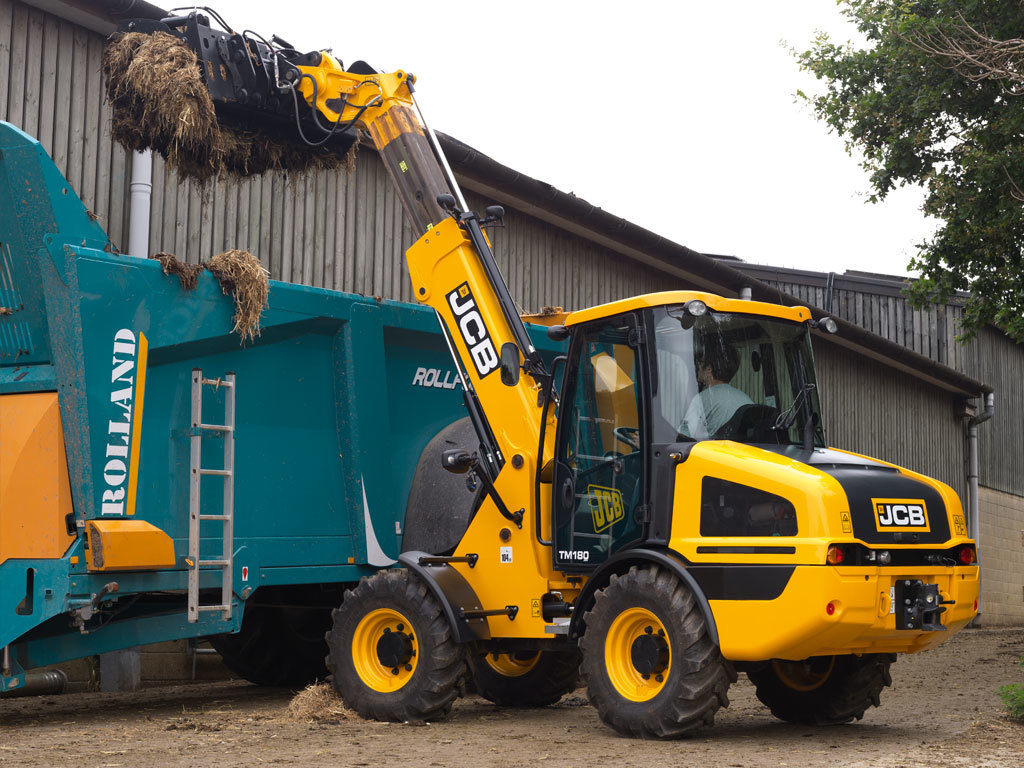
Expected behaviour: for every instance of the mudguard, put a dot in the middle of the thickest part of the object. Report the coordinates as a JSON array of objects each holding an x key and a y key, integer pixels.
[
  {"x": 453, "y": 592},
  {"x": 620, "y": 562}
]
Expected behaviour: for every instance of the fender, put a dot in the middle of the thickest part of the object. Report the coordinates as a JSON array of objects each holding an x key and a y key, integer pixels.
[
  {"x": 620, "y": 563},
  {"x": 453, "y": 592}
]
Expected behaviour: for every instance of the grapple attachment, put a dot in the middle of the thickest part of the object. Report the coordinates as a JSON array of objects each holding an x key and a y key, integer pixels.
[{"x": 247, "y": 86}]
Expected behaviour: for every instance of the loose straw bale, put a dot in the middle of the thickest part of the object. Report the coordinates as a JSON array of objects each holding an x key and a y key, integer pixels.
[
  {"x": 241, "y": 274},
  {"x": 318, "y": 703},
  {"x": 188, "y": 274},
  {"x": 159, "y": 101}
]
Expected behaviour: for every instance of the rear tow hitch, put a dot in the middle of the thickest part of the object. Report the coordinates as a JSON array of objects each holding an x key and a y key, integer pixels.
[{"x": 919, "y": 606}]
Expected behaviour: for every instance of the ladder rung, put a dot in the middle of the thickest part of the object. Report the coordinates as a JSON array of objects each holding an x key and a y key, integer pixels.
[
  {"x": 213, "y": 607},
  {"x": 214, "y": 562},
  {"x": 215, "y": 427},
  {"x": 217, "y": 383},
  {"x": 215, "y": 517},
  {"x": 221, "y": 472}
]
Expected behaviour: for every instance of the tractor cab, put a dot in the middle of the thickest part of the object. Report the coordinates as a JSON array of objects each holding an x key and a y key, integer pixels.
[{"x": 648, "y": 378}]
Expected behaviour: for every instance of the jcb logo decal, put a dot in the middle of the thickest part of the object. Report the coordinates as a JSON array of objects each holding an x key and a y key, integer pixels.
[
  {"x": 605, "y": 506},
  {"x": 900, "y": 515},
  {"x": 474, "y": 332}
]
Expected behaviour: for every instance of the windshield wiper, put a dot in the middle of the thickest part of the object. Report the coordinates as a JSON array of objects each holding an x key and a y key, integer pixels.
[{"x": 787, "y": 417}]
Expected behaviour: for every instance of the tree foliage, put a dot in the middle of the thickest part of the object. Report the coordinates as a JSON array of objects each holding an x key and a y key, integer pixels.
[{"x": 936, "y": 97}]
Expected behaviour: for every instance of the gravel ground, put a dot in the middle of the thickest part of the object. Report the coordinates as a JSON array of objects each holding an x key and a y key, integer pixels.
[{"x": 941, "y": 712}]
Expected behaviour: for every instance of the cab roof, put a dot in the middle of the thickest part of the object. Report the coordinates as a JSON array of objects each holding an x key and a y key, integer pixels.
[{"x": 714, "y": 302}]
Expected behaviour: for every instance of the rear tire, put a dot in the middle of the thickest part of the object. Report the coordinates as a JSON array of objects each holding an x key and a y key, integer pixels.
[
  {"x": 651, "y": 668},
  {"x": 392, "y": 652},
  {"x": 823, "y": 690},
  {"x": 277, "y": 646},
  {"x": 525, "y": 679}
]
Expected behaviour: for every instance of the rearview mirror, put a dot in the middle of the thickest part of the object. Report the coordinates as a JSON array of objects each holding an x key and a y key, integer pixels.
[
  {"x": 457, "y": 461},
  {"x": 509, "y": 364}
]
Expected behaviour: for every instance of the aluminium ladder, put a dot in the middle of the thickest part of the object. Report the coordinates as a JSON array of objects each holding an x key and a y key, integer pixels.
[{"x": 196, "y": 472}]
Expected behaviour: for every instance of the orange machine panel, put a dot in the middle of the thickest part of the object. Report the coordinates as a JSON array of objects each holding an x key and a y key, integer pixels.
[
  {"x": 35, "y": 495},
  {"x": 127, "y": 545}
]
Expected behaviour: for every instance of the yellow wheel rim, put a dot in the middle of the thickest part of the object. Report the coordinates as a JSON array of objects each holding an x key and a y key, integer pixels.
[
  {"x": 384, "y": 650},
  {"x": 512, "y": 664},
  {"x": 637, "y": 631},
  {"x": 803, "y": 675}
]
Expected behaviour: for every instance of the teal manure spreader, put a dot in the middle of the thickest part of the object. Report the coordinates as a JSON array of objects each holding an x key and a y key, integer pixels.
[{"x": 159, "y": 480}]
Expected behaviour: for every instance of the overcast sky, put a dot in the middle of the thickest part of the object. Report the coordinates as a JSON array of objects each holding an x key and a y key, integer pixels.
[{"x": 679, "y": 116}]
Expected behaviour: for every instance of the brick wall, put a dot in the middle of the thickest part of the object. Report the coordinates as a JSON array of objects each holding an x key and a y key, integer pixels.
[{"x": 1001, "y": 550}]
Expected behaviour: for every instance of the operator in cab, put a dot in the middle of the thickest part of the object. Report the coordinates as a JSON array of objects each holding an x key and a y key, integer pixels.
[{"x": 717, "y": 401}]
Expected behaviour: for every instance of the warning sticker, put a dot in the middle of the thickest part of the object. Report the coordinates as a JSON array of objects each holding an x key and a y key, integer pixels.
[
  {"x": 959, "y": 526},
  {"x": 847, "y": 523}
]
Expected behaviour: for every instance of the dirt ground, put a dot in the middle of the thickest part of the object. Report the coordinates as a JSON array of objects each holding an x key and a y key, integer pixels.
[{"x": 941, "y": 712}]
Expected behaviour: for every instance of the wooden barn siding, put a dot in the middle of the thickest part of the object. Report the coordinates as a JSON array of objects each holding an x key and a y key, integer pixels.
[
  {"x": 872, "y": 409},
  {"x": 990, "y": 357},
  {"x": 53, "y": 90},
  {"x": 1001, "y": 439},
  {"x": 347, "y": 231}
]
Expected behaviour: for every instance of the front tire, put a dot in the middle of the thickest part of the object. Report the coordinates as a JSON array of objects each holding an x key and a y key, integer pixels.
[
  {"x": 823, "y": 690},
  {"x": 651, "y": 668},
  {"x": 525, "y": 679},
  {"x": 392, "y": 651}
]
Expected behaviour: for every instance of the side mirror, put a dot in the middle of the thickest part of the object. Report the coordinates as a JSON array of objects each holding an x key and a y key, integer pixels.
[
  {"x": 558, "y": 332},
  {"x": 457, "y": 461},
  {"x": 509, "y": 364}
]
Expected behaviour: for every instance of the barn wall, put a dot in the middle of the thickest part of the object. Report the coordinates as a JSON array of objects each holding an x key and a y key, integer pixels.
[
  {"x": 874, "y": 410},
  {"x": 1001, "y": 551},
  {"x": 53, "y": 90},
  {"x": 991, "y": 357}
]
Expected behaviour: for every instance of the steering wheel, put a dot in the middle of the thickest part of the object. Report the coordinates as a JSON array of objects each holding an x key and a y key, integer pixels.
[{"x": 628, "y": 435}]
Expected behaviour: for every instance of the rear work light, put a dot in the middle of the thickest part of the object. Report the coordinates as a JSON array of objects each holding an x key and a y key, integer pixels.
[
  {"x": 835, "y": 555},
  {"x": 967, "y": 555}
]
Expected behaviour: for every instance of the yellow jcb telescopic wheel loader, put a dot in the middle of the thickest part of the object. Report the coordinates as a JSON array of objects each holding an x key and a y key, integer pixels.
[{"x": 660, "y": 498}]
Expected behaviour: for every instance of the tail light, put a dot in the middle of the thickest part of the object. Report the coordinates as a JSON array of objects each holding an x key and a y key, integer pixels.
[
  {"x": 967, "y": 555},
  {"x": 835, "y": 555}
]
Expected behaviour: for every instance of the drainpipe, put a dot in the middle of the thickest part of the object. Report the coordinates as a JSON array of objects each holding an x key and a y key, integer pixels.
[
  {"x": 972, "y": 470},
  {"x": 141, "y": 194}
]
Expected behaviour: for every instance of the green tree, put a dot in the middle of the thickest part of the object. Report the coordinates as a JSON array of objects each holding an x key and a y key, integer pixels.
[{"x": 935, "y": 96}]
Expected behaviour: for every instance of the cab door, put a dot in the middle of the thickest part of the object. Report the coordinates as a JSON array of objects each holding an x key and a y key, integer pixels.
[{"x": 599, "y": 481}]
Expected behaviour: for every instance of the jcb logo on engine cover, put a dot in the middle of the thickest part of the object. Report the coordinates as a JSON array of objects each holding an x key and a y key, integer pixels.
[
  {"x": 473, "y": 331},
  {"x": 900, "y": 514},
  {"x": 605, "y": 506}
]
